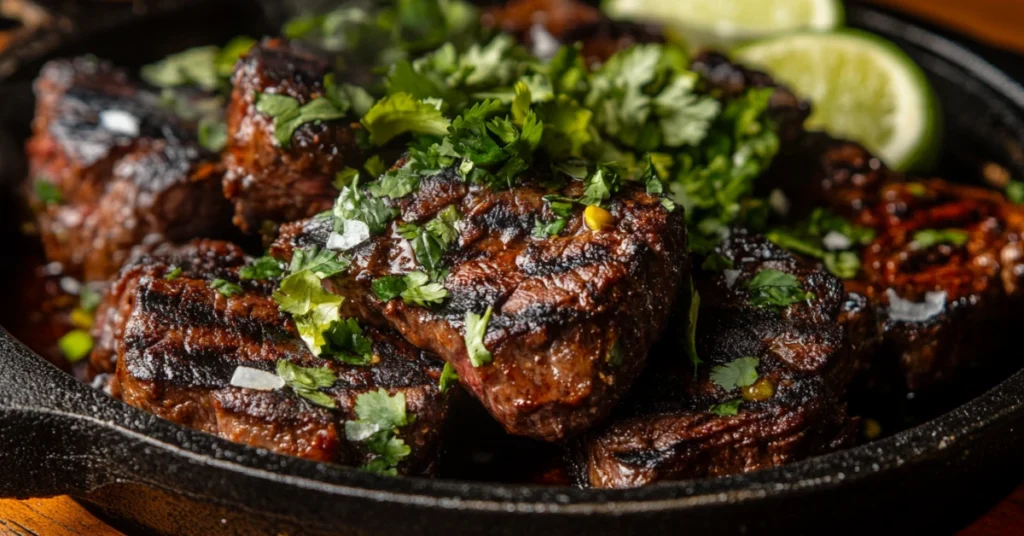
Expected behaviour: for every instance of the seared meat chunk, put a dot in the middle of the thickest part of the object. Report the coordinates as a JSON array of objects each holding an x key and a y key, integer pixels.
[
  {"x": 269, "y": 182},
  {"x": 677, "y": 425},
  {"x": 111, "y": 169},
  {"x": 182, "y": 340},
  {"x": 942, "y": 277},
  {"x": 574, "y": 315}
]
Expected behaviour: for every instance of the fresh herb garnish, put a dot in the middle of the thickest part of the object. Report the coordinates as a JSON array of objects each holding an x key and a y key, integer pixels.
[
  {"x": 307, "y": 381},
  {"x": 302, "y": 295},
  {"x": 727, "y": 409},
  {"x": 289, "y": 115},
  {"x": 89, "y": 299},
  {"x": 207, "y": 68},
  {"x": 213, "y": 135},
  {"x": 173, "y": 274},
  {"x": 380, "y": 415},
  {"x": 829, "y": 238},
  {"x": 740, "y": 372},
  {"x": 48, "y": 192},
  {"x": 265, "y": 267},
  {"x": 226, "y": 288},
  {"x": 476, "y": 330},
  {"x": 389, "y": 287},
  {"x": 75, "y": 345},
  {"x": 402, "y": 113},
  {"x": 358, "y": 216},
  {"x": 716, "y": 262},
  {"x": 346, "y": 342},
  {"x": 772, "y": 288},
  {"x": 1015, "y": 192},
  {"x": 420, "y": 291},
  {"x": 927, "y": 238},
  {"x": 542, "y": 229},
  {"x": 448, "y": 378}
]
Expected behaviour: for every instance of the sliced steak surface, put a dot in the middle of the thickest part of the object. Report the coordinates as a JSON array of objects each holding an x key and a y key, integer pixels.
[
  {"x": 574, "y": 315},
  {"x": 181, "y": 341},
  {"x": 111, "y": 169},
  {"x": 268, "y": 182},
  {"x": 673, "y": 425}
]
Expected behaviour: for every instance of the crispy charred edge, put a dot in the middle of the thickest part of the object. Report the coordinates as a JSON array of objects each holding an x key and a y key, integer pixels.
[
  {"x": 664, "y": 431},
  {"x": 183, "y": 340},
  {"x": 649, "y": 247},
  {"x": 267, "y": 182},
  {"x": 982, "y": 279}
]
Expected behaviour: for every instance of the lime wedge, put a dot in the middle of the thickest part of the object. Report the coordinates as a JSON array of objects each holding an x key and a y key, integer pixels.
[
  {"x": 724, "y": 23},
  {"x": 862, "y": 87}
]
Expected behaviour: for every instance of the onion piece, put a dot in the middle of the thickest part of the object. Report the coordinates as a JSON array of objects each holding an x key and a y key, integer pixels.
[
  {"x": 730, "y": 277},
  {"x": 120, "y": 122},
  {"x": 260, "y": 380},
  {"x": 908, "y": 311},
  {"x": 836, "y": 241}
]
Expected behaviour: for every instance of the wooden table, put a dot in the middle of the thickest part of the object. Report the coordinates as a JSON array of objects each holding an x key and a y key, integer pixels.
[{"x": 996, "y": 22}]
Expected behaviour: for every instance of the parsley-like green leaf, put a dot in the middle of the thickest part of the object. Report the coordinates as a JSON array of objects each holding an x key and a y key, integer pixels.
[
  {"x": 265, "y": 267},
  {"x": 476, "y": 330},
  {"x": 740, "y": 372},
  {"x": 346, "y": 342},
  {"x": 401, "y": 113},
  {"x": 389, "y": 287},
  {"x": 1015, "y": 192},
  {"x": 195, "y": 66},
  {"x": 727, "y": 409},
  {"x": 323, "y": 263},
  {"x": 307, "y": 381},
  {"x": 842, "y": 264},
  {"x": 443, "y": 225},
  {"x": 716, "y": 262},
  {"x": 542, "y": 229},
  {"x": 173, "y": 274},
  {"x": 353, "y": 205},
  {"x": 427, "y": 247},
  {"x": 213, "y": 135},
  {"x": 600, "y": 186},
  {"x": 379, "y": 417},
  {"x": 772, "y": 288},
  {"x": 420, "y": 291},
  {"x": 448, "y": 378},
  {"x": 75, "y": 345},
  {"x": 226, "y": 288},
  {"x": 48, "y": 192},
  {"x": 927, "y": 238},
  {"x": 300, "y": 292}
]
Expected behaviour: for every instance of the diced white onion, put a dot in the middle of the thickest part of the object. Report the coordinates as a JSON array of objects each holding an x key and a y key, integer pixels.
[
  {"x": 261, "y": 380},
  {"x": 120, "y": 122},
  {"x": 908, "y": 311},
  {"x": 356, "y": 232},
  {"x": 835, "y": 241},
  {"x": 544, "y": 44},
  {"x": 779, "y": 202},
  {"x": 730, "y": 277}
]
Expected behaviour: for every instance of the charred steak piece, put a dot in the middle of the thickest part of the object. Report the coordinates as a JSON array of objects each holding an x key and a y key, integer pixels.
[
  {"x": 942, "y": 277},
  {"x": 678, "y": 425},
  {"x": 574, "y": 315},
  {"x": 265, "y": 180},
  {"x": 182, "y": 340},
  {"x": 111, "y": 169}
]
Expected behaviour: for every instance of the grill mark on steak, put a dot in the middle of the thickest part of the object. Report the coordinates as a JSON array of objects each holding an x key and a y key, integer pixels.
[
  {"x": 265, "y": 181},
  {"x": 180, "y": 342},
  {"x": 128, "y": 171},
  {"x": 559, "y": 303},
  {"x": 665, "y": 430}
]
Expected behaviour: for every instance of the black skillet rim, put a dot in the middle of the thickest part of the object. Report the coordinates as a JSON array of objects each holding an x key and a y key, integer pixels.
[{"x": 1000, "y": 405}]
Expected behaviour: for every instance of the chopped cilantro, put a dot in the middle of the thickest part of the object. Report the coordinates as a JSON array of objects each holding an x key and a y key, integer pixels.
[
  {"x": 75, "y": 345},
  {"x": 346, "y": 342},
  {"x": 476, "y": 330},
  {"x": 827, "y": 237},
  {"x": 542, "y": 229},
  {"x": 448, "y": 378},
  {"x": 772, "y": 288},
  {"x": 401, "y": 113},
  {"x": 354, "y": 205},
  {"x": 419, "y": 291},
  {"x": 1015, "y": 192},
  {"x": 727, "y": 409},
  {"x": 426, "y": 246},
  {"x": 265, "y": 267},
  {"x": 375, "y": 167},
  {"x": 226, "y": 288},
  {"x": 443, "y": 226},
  {"x": 380, "y": 415},
  {"x": 927, "y": 238},
  {"x": 173, "y": 274},
  {"x": 207, "y": 67},
  {"x": 842, "y": 264},
  {"x": 307, "y": 381},
  {"x": 213, "y": 135},
  {"x": 716, "y": 262},
  {"x": 600, "y": 186},
  {"x": 289, "y": 115},
  {"x": 48, "y": 192},
  {"x": 740, "y": 372},
  {"x": 323, "y": 263},
  {"x": 389, "y": 287}
]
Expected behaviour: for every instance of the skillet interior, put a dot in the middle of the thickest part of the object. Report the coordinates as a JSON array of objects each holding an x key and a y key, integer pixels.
[{"x": 61, "y": 437}]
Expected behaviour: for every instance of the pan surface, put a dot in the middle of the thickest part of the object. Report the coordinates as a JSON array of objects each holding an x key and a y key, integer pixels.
[{"x": 58, "y": 436}]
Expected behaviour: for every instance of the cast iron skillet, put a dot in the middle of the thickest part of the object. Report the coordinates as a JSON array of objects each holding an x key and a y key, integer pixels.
[{"x": 58, "y": 436}]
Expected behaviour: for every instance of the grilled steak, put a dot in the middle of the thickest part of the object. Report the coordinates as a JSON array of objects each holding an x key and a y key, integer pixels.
[
  {"x": 111, "y": 169},
  {"x": 268, "y": 182},
  {"x": 180, "y": 340},
  {"x": 672, "y": 426},
  {"x": 938, "y": 304},
  {"x": 574, "y": 315}
]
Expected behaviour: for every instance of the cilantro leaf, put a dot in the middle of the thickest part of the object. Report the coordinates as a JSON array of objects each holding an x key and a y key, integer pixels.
[
  {"x": 1015, "y": 192},
  {"x": 300, "y": 292},
  {"x": 379, "y": 417},
  {"x": 265, "y": 267},
  {"x": 389, "y": 287},
  {"x": 400, "y": 113},
  {"x": 772, "y": 288},
  {"x": 419, "y": 291},
  {"x": 716, "y": 263},
  {"x": 307, "y": 381},
  {"x": 195, "y": 66},
  {"x": 927, "y": 238},
  {"x": 740, "y": 372},
  {"x": 173, "y": 274},
  {"x": 476, "y": 330},
  {"x": 600, "y": 186},
  {"x": 542, "y": 229},
  {"x": 448, "y": 378},
  {"x": 213, "y": 135},
  {"x": 323, "y": 263},
  {"x": 443, "y": 225},
  {"x": 288, "y": 115},
  {"x": 346, "y": 342},
  {"x": 426, "y": 246},
  {"x": 323, "y": 314},
  {"x": 226, "y": 288},
  {"x": 371, "y": 213},
  {"x": 727, "y": 409},
  {"x": 842, "y": 264},
  {"x": 48, "y": 192}
]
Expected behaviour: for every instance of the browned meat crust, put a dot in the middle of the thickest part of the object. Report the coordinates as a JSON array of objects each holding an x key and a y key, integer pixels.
[
  {"x": 560, "y": 304},
  {"x": 268, "y": 182},
  {"x": 126, "y": 171},
  {"x": 666, "y": 431},
  {"x": 179, "y": 342}
]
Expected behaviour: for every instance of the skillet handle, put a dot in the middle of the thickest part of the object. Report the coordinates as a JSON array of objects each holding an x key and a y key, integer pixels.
[{"x": 52, "y": 429}]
